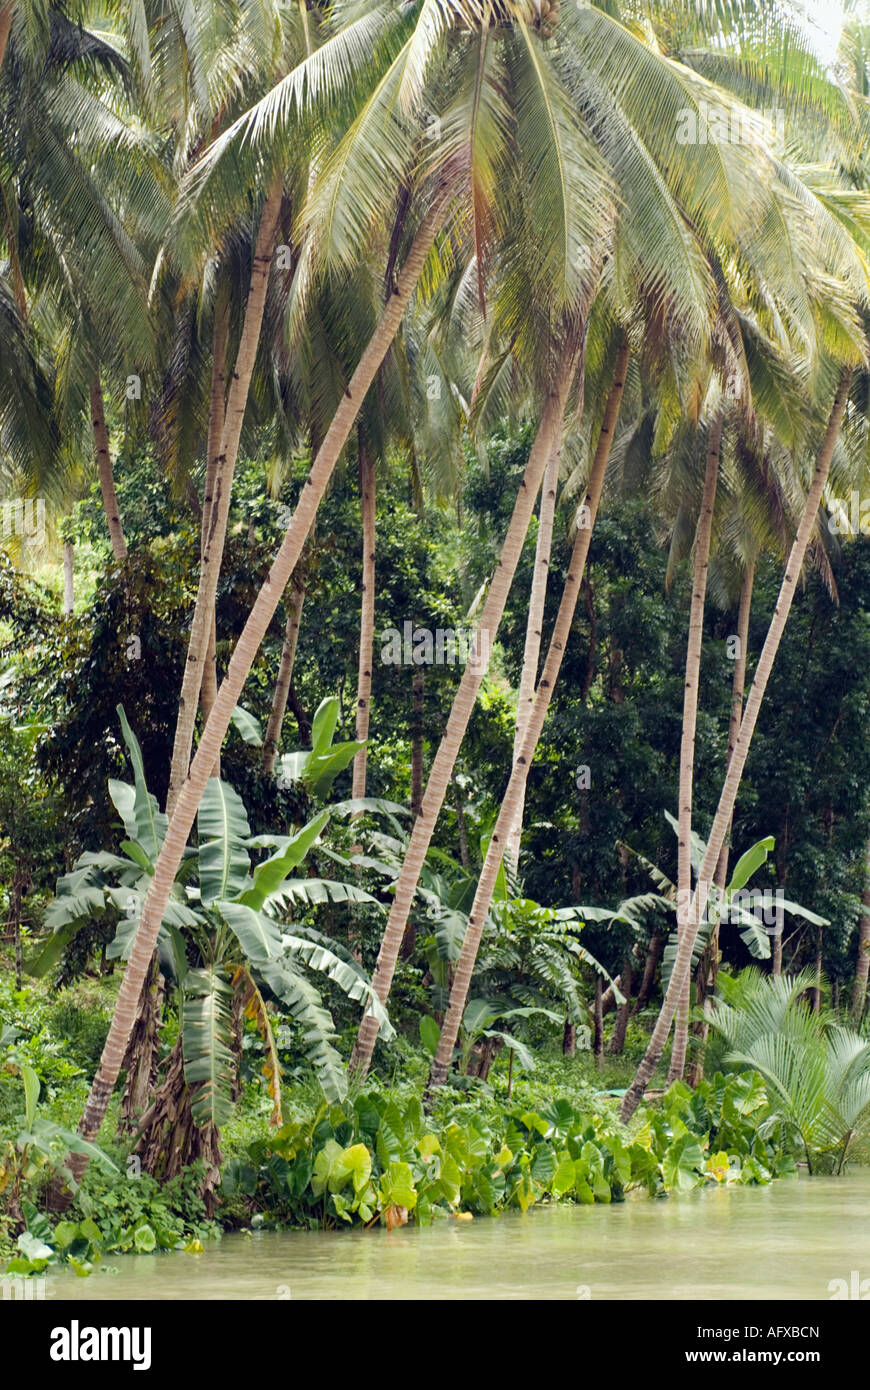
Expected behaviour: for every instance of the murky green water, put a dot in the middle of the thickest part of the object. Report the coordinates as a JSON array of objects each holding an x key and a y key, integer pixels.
[{"x": 785, "y": 1241}]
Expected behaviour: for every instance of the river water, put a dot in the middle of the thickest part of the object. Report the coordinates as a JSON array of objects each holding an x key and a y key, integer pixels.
[{"x": 789, "y": 1240}]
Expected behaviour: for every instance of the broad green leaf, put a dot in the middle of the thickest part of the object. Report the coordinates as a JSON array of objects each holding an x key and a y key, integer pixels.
[
  {"x": 249, "y": 728},
  {"x": 269, "y": 875},
  {"x": 258, "y": 935},
  {"x": 749, "y": 862},
  {"x": 682, "y": 1163},
  {"x": 31, "y": 1093},
  {"x": 209, "y": 1063},
  {"x": 149, "y": 824},
  {"x": 224, "y": 863},
  {"x": 324, "y": 724},
  {"x": 429, "y": 1034}
]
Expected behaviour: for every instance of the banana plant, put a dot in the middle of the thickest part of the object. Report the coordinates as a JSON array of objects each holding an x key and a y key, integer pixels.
[
  {"x": 529, "y": 962},
  {"x": 318, "y": 766},
  {"x": 735, "y": 903},
  {"x": 222, "y": 940}
]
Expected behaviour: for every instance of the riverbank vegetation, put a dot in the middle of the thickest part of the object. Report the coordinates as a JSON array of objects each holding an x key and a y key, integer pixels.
[{"x": 433, "y": 597}]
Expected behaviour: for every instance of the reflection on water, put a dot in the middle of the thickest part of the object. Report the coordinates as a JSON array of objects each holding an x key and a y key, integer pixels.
[{"x": 788, "y": 1240}]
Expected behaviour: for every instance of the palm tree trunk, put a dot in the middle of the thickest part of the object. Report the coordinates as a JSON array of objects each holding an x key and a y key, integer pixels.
[
  {"x": 520, "y": 770},
  {"x": 104, "y": 471},
  {"x": 461, "y": 830},
  {"x": 862, "y": 966},
  {"x": 463, "y": 703},
  {"x": 418, "y": 690},
  {"x": 725, "y": 809},
  {"x": 703, "y": 537},
  {"x": 240, "y": 664},
  {"x": 217, "y": 403},
  {"x": 218, "y": 511},
  {"x": 281, "y": 693},
  {"x": 367, "y": 486},
  {"x": 534, "y": 629},
  {"x": 69, "y": 592},
  {"x": 708, "y": 969},
  {"x": 5, "y": 25}
]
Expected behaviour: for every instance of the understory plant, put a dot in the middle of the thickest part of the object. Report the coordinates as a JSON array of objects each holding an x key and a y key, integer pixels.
[
  {"x": 816, "y": 1072},
  {"x": 382, "y": 1158}
]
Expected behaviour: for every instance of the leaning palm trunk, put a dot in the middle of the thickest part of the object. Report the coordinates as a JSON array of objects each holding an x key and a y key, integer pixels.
[
  {"x": 703, "y": 535},
  {"x": 862, "y": 967},
  {"x": 534, "y": 725},
  {"x": 240, "y": 664},
  {"x": 418, "y": 701},
  {"x": 217, "y": 402},
  {"x": 463, "y": 704},
  {"x": 730, "y": 787},
  {"x": 367, "y": 484},
  {"x": 104, "y": 471},
  {"x": 708, "y": 968},
  {"x": 281, "y": 693},
  {"x": 219, "y": 510},
  {"x": 534, "y": 629}
]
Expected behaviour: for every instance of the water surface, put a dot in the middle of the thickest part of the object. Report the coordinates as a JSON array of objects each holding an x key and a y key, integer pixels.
[{"x": 788, "y": 1240}]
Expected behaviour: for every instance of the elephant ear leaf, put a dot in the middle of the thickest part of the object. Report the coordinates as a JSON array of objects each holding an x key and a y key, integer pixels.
[
  {"x": 143, "y": 820},
  {"x": 207, "y": 1046},
  {"x": 269, "y": 875},
  {"x": 224, "y": 864}
]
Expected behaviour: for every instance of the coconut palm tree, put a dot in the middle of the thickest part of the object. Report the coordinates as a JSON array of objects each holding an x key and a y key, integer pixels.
[
  {"x": 465, "y": 964},
  {"x": 595, "y": 51},
  {"x": 354, "y": 203},
  {"x": 700, "y": 563},
  {"x": 81, "y": 193},
  {"x": 734, "y": 773}
]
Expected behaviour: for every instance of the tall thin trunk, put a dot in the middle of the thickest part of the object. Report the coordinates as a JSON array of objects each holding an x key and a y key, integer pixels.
[
  {"x": 217, "y": 403},
  {"x": 5, "y": 25},
  {"x": 701, "y": 562},
  {"x": 620, "y": 1027},
  {"x": 367, "y": 486},
  {"x": 69, "y": 591},
  {"x": 653, "y": 956},
  {"x": 520, "y": 770},
  {"x": 240, "y": 664},
  {"x": 708, "y": 968},
  {"x": 104, "y": 471},
  {"x": 418, "y": 688},
  {"x": 281, "y": 693},
  {"x": 862, "y": 965},
  {"x": 463, "y": 703},
  {"x": 534, "y": 630},
  {"x": 461, "y": 829},
  {"x": 728, "y": 796},
  {"x": 218, "y": 512},
  {"x": 598, "y": 1024}
]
